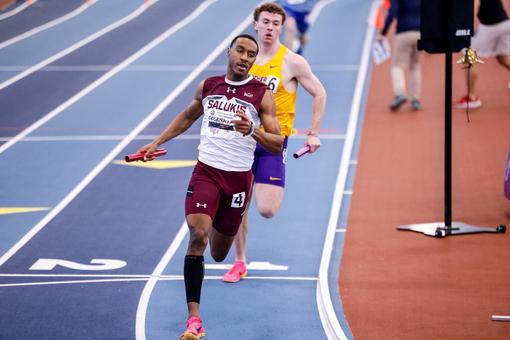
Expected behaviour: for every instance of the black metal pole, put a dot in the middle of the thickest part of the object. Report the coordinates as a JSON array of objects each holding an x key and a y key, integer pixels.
[
  {"x": 435, "y": 45},
  {"x": 448, "y": 141},
  {"x": 448, "y": 120}
]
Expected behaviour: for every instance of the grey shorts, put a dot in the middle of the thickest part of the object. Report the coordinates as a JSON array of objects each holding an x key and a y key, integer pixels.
[{"x": 492, "y": 40}]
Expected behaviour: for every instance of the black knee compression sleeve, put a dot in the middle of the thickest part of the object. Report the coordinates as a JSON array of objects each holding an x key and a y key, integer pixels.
[{"x": 193, "y": 277}]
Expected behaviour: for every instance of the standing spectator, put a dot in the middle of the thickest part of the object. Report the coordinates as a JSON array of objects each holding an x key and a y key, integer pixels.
[
  {"x": 405, "y": 51},
  {"x": 491, "y": 39}
]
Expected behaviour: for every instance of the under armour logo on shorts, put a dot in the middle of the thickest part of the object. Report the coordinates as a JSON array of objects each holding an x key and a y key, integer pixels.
[{"x": 201, "y": 205}]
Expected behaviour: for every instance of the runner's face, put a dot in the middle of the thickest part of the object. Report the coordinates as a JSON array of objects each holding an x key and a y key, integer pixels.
[
  {"x": 241, "y": 57},
  {"x": 268, "y": 27}
]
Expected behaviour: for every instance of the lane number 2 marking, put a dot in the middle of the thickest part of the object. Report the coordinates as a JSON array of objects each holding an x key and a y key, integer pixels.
[{"x": 95, "y": 264}]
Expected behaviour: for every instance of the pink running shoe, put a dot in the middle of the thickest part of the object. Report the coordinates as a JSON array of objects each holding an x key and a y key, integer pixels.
[
  {"x": 235, "y": 273},
  {"x": 194, "y": 329},
  {"x": 472, "y": 102}
]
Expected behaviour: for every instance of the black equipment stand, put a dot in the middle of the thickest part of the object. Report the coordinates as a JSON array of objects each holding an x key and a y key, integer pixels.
[{"x": 447, "y": 228}]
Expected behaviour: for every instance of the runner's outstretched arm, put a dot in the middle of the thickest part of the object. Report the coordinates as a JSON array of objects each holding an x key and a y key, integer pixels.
[{"x": 178, "y": 125}]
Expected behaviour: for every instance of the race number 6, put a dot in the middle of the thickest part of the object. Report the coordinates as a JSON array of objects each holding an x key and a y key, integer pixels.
[{"x": 272, "y": 83}]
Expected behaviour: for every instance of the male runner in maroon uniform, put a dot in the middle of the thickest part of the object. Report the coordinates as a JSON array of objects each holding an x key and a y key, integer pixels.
[{"x": 234, "y": 106}]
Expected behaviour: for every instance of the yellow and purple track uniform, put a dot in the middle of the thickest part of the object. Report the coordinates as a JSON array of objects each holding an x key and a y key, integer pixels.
[{"x": 267, "y": 167}]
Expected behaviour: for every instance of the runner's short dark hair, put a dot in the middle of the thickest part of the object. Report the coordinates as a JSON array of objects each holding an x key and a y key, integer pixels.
[{"x": 247, "y": 36}]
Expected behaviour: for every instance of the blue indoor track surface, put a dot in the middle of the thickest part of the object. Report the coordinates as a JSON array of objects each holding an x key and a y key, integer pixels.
[{"x": 93, "y": 248}]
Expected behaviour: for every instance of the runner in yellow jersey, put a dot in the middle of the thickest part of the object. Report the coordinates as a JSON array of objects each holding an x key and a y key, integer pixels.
[{"x": 282, "y": 70}]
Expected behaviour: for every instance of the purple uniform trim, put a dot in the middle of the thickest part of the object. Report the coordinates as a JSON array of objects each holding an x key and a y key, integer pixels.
[
  {"x": 269, "y": 168},
  {"x": 222, "y": 195}
]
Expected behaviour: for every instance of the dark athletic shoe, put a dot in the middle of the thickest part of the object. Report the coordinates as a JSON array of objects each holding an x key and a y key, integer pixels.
[
  {"x": 415, "y": 104},
  {"x": 397, "y": 102}
]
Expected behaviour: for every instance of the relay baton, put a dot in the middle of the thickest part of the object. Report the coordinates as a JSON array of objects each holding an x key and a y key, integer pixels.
[
  {"x": 139, "y": 156},
  {"x": 302, "y": 151}
]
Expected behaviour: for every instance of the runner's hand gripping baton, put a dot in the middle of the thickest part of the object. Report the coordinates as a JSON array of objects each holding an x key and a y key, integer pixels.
[
  {"x": 304, "y": 150},
  {"x": 139, "y": 156}
]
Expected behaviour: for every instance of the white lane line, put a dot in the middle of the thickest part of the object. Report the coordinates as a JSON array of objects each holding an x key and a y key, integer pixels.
[
  {"x": 90, "y": 138},
  {"x": 283, "y": 278},
  {"x": 156, "y": 278},
  {"x": 317, "y": 10},
  {"x": 147, "y": 291},
  {"x": 102, "y": 68},
  {"x": 500, "y": 318},
  {"x": 75, "y": 275},
  {"x": 17, "y": 9},
  {"x": 153, "y": 68},
  {"x": 107, "y": 75},
  {"x": 141, "y": 310},
  {"x": 333, "y": 136},
  {"x": 324, "y": 303},
  {"x": 108, "y": 159},
  {"x": 48, "y": 25},
  {"x": 253, "y": 265},
  {"x": 335, "y": 68},
  {"x": 139, "y": 137},
  {"x": 46, "y": 283},
  {"x": 75, "y": 46}
]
